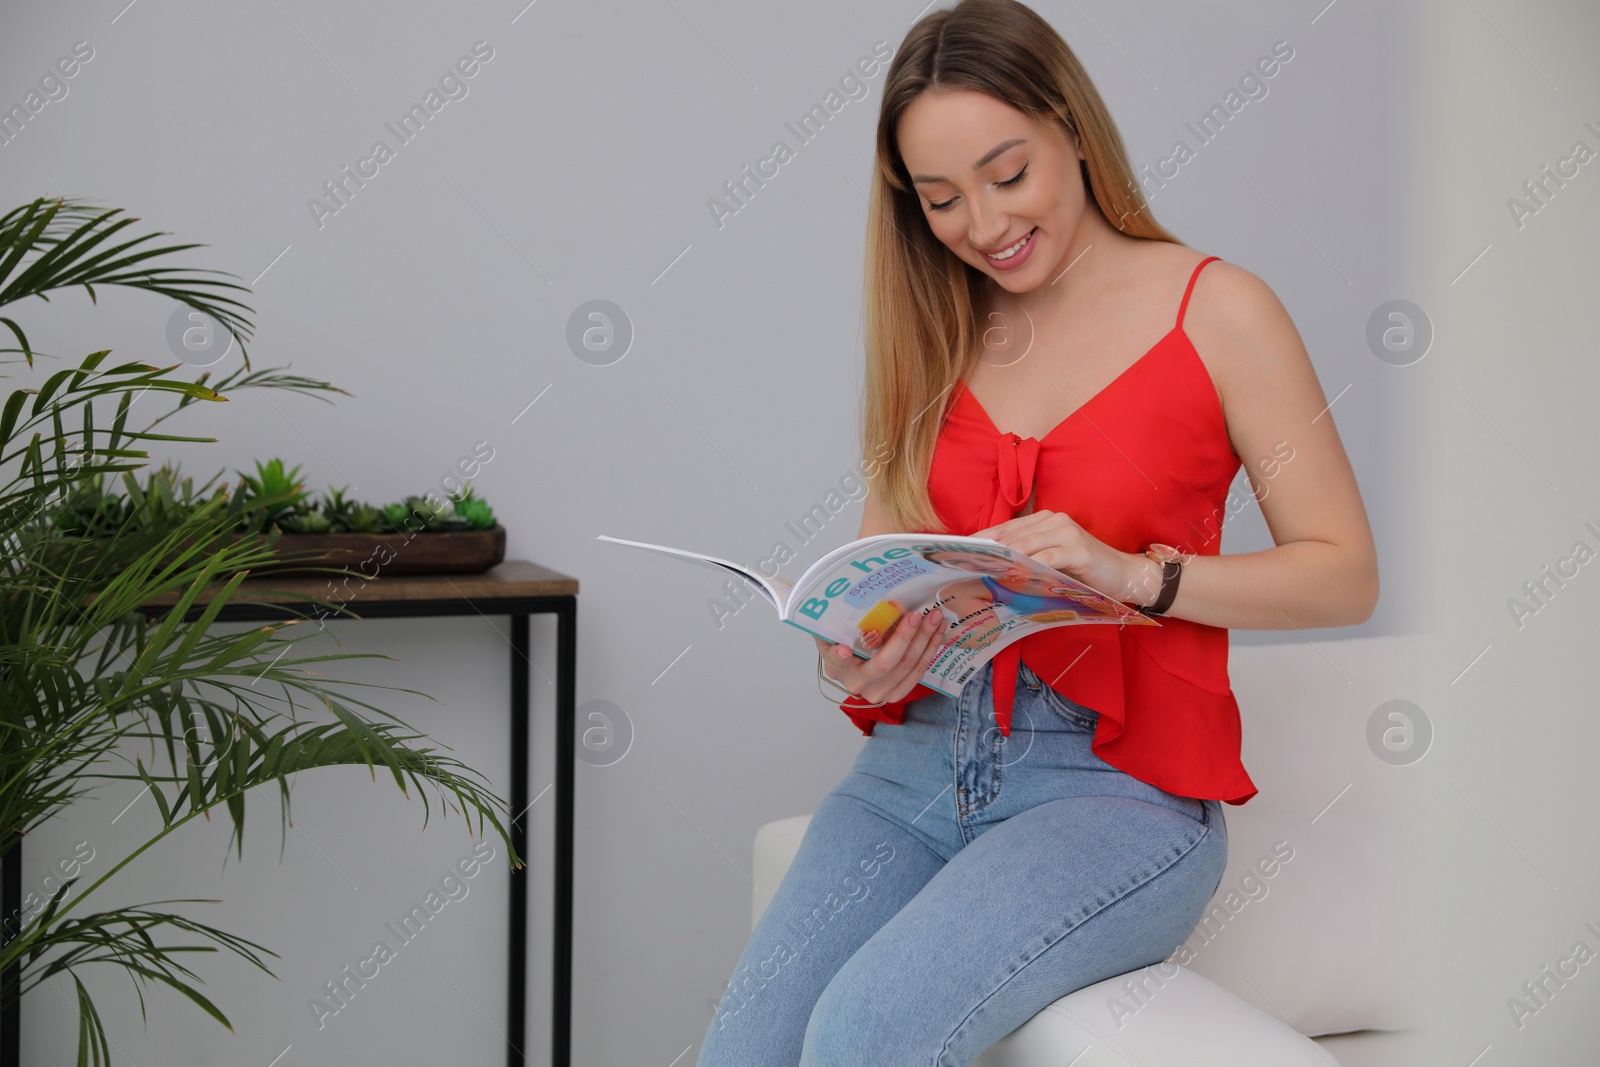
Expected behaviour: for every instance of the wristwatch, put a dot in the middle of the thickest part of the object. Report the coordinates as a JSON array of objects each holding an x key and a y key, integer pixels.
[{"x": 1172, "y": 562}]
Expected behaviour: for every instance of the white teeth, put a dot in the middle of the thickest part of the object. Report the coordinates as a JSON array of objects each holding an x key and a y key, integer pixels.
[{"x": 1014, "y": 249}]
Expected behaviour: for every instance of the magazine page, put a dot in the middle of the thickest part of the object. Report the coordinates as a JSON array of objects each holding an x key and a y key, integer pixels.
[
  {"x": 989, "y": 594},
  {"x": 775, "y": 589},
  {"x": 808, "y": 577}
]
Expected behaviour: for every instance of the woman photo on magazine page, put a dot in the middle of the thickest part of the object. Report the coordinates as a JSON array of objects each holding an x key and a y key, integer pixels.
[
  {"x": 969, "y": 604},
  {"x": 1050, "y": 368}
]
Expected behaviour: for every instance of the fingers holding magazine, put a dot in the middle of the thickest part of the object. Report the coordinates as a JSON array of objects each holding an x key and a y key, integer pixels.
[{"x": 903, "y": 655}]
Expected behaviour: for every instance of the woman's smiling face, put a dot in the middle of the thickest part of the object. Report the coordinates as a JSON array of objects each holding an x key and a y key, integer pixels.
[{"x": 978, "y": 200}]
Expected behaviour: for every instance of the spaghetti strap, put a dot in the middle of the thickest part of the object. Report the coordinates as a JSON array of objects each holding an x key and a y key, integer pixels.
[{"x": 1184, "y": 306}]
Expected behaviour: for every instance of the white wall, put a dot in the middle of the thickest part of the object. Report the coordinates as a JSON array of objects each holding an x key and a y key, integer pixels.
[
  {"x": 579, "y": 167},
  {"x": 1506, "y": 874}
]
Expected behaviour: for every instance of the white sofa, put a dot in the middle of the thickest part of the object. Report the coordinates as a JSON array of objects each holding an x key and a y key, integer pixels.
[{"x": 1299, "y": 967}]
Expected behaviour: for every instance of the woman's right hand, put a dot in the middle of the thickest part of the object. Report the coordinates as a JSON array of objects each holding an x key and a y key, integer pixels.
[{"x": 895, "y": 669}]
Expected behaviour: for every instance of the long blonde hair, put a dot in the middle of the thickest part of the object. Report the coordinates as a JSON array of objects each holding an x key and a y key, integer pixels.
[{"x": 920, "y": 325}]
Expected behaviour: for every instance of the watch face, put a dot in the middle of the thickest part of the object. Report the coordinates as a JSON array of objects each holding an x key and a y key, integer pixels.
[{"x": 1169, "y": 552}]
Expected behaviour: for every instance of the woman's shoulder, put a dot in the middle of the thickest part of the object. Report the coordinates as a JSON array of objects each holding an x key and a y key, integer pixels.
[
  {"x": 1226, "y": 296},
  {"x": 1242, "y": 333}
]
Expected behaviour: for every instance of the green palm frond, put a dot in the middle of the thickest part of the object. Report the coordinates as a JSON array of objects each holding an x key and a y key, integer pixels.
[
  {"x": 70, "y": 242},
  {"x": 95, "y": 693}
]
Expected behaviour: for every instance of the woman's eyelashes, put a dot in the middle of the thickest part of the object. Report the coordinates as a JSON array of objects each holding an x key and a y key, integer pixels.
[
  {"x": 1018, "y": 179},
  {"x": 1007, "y": 184}
]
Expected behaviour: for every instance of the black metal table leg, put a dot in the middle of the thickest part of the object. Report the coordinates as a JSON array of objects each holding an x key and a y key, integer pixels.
[
  {"x": 517, "y": 983},
  {"x": 11, "y": 903},
  {"x": 566, "y": 743}
]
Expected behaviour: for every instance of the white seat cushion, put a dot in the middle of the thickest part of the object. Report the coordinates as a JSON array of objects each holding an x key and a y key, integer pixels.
[
  {"x": 1377, "y": 1048},
  {"x": 1180, "y": 1018},
  {"x": 776, "y": 844},
  {"x": 1318, "y": 942}
]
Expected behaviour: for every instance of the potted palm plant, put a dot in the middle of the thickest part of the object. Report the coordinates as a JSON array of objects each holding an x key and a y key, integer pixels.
[{"x": 83, "y": 672}]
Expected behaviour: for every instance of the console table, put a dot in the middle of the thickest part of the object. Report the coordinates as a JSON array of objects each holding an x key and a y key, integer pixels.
[{"x": 516, "y": 588}]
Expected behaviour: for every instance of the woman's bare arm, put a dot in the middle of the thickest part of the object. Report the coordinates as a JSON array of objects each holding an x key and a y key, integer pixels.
[{"x": 1324, "y": 568}]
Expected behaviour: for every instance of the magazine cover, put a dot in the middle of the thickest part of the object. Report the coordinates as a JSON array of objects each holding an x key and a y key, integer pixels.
[{"x": 990, "y": 595}]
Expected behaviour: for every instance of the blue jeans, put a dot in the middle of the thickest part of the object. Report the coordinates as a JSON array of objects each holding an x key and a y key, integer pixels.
[{"x": 956, "y": 882}]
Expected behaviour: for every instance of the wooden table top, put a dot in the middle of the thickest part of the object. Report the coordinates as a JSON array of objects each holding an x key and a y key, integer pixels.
[{"x": 511, "y": 578}]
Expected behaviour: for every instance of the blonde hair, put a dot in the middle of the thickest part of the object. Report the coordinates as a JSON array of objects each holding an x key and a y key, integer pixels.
[{"x": 920, "y": 325}]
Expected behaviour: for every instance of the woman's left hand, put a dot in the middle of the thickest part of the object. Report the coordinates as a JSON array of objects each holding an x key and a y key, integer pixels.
[{"x": 1052, "y": 538}]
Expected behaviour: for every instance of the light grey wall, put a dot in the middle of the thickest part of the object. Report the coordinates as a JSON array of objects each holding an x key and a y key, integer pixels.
[
  {"x": 578, "y": 167},
  {"x": 1506, "y": 876}
]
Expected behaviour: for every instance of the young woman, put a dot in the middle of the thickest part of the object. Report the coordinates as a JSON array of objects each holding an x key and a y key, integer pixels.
[{"x": 1062, "y": 822}]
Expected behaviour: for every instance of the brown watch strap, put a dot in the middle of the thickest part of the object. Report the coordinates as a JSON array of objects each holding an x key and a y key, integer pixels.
[{"x": 1171, "y": 571}]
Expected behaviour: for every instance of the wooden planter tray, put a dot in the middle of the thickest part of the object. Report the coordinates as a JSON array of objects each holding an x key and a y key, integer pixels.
[{"x": 394, "y": 552}]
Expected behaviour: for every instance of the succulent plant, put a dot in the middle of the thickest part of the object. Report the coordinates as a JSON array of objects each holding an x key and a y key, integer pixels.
[
  {"x": 88, "y": 512},
  {"x": 159, "y": 504},
  {"x": 394, "y": 517},
  {"x": 271, "y": 479},
  {"x": 270, "y": 494},
  {"x": 364, "y": 518},
  {"x": 434, "y": 514},
  {"x": 336, "y": 508},
  {"x": 307, "y": 521},
  {"x": 477, "y": 512}
]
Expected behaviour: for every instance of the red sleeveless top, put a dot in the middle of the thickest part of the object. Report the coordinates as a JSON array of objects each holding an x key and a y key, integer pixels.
[{"x": 1146, "y": 459}]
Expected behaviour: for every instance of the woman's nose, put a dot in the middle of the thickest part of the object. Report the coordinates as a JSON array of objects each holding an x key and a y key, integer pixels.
[{"x": 988, "y": 228}]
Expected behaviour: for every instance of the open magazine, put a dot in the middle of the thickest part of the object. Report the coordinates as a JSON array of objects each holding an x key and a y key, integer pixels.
[{"x": 990, "y": 595}]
